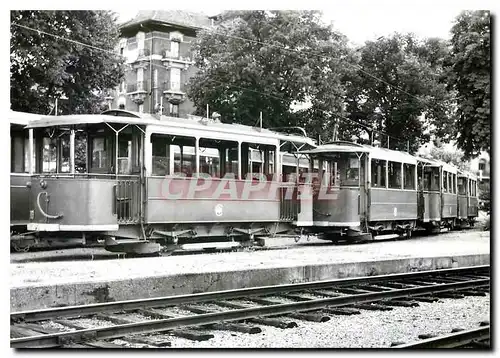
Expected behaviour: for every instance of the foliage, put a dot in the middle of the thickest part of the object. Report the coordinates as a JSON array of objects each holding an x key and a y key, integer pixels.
[
  {"x": 44, "y": 67},
  {"x": 469, "y": 76},
  {"x": 399, "y": 89},
  {"x": 450, "y": 156},
  {"x": 485, "y": 195},
  {"x": 267, "y": 61}
]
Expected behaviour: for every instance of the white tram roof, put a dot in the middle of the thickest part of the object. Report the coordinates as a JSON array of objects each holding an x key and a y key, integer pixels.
[
  {"x": 438, "y": 163},
  {"x": 23, "y": 118},
  {"x": 373, "y": 152},
  {"x": 146, "y": 119}
]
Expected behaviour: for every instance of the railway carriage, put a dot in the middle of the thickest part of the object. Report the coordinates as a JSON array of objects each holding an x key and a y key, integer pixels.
[
  {"x": 438, "y": 200},
  {"x": 467, "y": 199},
  {"x": 364, "y": 191},
  {"x": 170, "y": 180},
  {"x": 367, "y": 191}
]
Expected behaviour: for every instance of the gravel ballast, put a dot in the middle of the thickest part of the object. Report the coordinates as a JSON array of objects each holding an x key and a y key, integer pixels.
[{"x": 370, "y": 329}]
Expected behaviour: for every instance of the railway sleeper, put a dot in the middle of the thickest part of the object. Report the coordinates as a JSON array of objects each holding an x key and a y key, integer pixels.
[
  {"x": 343, "y": 311},
  {"x": 69, "y": 323},
  {"x": 235, "y": 327},
  {"x": 312, "y": 317},
  {"x": 273, "y": 322},
  {"x": 400, "y": 303},
  {"x": 192, "y": 335},
  {"x": 372, "y": 307},
  {"x": 428, "y": 299},
  {"x": 103, "y": 344},
  {"x": 473, "y": 293},
  {"x": 449, "y": 295},
  {"x": 78, "y": 337},
  {"x": 148, "y": 341}
]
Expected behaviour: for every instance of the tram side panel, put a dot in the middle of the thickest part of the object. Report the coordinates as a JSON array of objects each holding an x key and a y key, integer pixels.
[
  {"x": 449, "y": 206},
  {"x": 393, "y": 205},
  {"x": 462, "y": 207},
  {"x": 20, "y": 199},
  {"x": 73, "y": 204},
  {"x": 432, "y": 206},
  {"x": 188, "y": 200},
  {"x": 337, "y": 207}
]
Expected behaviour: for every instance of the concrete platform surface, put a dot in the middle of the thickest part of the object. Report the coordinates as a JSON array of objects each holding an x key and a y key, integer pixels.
[{"x": 51, "y": 284}]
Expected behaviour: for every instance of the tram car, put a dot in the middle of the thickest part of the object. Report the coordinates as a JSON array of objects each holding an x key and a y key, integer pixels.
[
  {"x": 154, "y": 179},
  {"x": 467, "y": 199},
  {"x": 363, "y": 192},
  {"x": 21, "y": 144}
]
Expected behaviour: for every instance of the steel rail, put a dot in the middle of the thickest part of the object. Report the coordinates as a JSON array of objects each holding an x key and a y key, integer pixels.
[
  {"x": 452, "y": 340},
  {"x": 117, "y": 331},
  {"x": 69, "y": 311}
]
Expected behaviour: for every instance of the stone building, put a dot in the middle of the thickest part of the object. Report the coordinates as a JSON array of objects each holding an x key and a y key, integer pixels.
[
  {"x": 159, "y": 62},
  {"x": 481, "y": 167}
]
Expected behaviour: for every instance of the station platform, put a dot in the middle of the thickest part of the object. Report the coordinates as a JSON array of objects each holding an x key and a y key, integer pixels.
[{"x": 52, "y": 284}]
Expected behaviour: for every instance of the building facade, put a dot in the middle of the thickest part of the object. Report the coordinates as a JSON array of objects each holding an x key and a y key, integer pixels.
[
  {"x": 481, "y": 167},
  {"x": 159, "y": 62}
]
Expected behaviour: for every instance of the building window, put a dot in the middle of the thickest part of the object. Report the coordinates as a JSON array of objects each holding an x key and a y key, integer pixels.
[
  {"x": 175, "y": 79},
  {"x": 155, "y": 79},
  {"x": 174, "y": 49},
  {"x": 140, "y": 40},
  {"x": 482, "y": 165},
  {"x": 174, "y": 110}
]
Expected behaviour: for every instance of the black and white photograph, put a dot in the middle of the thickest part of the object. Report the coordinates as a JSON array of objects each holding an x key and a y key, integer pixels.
[{"x": 279, "y": 177}]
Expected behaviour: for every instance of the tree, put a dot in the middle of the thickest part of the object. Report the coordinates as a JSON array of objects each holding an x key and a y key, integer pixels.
[
  {"x": 451, "y": 156},
  {"x": 45, "y": 66},
  {"x": 267, "y": 61},
  {"x": 399, "y": 90},
  {"x": 469, "y": 76}
]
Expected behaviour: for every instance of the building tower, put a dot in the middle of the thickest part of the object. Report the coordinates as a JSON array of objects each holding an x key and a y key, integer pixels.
[{"x": 159, "y": 62}]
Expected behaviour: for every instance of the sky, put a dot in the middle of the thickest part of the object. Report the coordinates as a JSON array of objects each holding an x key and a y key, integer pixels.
[{"x": 361, "y": 20}]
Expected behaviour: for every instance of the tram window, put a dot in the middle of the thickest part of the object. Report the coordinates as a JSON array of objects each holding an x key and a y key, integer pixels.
[
  {"x": 49, "y": 155},
  {"x": 209, "y": 161},
  {"x": 445, "y": 181},
  {"x": 378, "y": 169},
  {"x": 231, "y": 160},
  {"x": 185, "y": 160},
  {"x": 124, "y": 156},
  {"x": 17, "y": 148},
  {"x": 394, "y": 170},
  {"x": 409, "y": 176},
  {"x": 161, "y": 157},
  {"x": 427, "y": 180},
  {"x": 461, "y": 186},
  {"x": 474, "y": 188},
  {"x": 100, "y": 153},
  {"x": 65, "y": 149},
  {"x": 450, "y": 183},
  {"x": 454, "y": 183}
]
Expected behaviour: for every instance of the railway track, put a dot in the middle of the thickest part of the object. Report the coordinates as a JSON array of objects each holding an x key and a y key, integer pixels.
[
  {"x": 471, "y": 338},
  {"x": 242, "y": 310}
]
